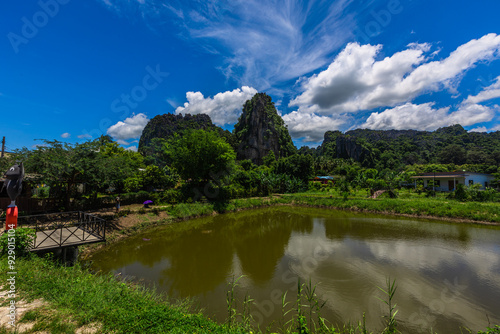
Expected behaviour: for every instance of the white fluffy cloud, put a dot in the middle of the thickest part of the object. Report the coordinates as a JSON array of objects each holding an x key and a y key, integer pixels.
[
  {"x": 357, "y": 81},
  {"x": 479, "y": 129},
  {"x": 426, "y": 117},
  {"x": 132, "y": 148},
  {"x": 489, "y": 93},
  {"x": 495, "y": 128},
  {"x": 223, "y": 108},
  {"x": 130, "y": 128},
  {"x": 311, "y": 127},
  {"x": 65, "y": 135}
]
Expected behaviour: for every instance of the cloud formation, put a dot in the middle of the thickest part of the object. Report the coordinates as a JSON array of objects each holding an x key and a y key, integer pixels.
[
  {"x": 131, "y": 148},
  {"x": 223, "y": 108},
  {"x": 426, "y": 117},
  {"x": 65, "y": 135},
  {"x": 262, "y": 42},
  {"x": 356, "y": 80},
  {"x": 130, "y": 128},
  {"x": 311, "y": 127},
  {"x": 489, "y": 93},
  {"x": 479, "y": 129}
]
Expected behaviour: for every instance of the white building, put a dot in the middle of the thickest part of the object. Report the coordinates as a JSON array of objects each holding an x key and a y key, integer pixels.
[{"x": 447, "y": 181}]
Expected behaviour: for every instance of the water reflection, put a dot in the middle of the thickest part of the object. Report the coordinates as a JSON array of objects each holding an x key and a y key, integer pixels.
[{"x": 448, "y": 274}]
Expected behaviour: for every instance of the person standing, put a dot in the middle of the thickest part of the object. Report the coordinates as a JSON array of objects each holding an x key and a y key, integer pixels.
[{"x": 117, "y": 205}]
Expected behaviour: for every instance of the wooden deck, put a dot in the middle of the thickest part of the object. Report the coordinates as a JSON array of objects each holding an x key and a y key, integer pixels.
[
  {"x": 63, "y": 237},
  {"x": 64, "y": 229}
]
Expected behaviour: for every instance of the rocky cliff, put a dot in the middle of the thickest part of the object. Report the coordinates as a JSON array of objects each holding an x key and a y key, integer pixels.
[
  {"x": 390, "y": 148},
  {"x": 349, "y": 148},
  {"x": 165, "y": 126},
  {"x": 260, "y": 130}
]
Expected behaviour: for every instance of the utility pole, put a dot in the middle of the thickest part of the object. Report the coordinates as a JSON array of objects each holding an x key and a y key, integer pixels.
[{"x": 3, "y": 147}]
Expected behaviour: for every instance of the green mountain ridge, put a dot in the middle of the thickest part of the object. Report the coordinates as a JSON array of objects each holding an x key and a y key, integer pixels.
[
  {"x": 261, "y": 131},
  {"x": 389, "y": 148}
]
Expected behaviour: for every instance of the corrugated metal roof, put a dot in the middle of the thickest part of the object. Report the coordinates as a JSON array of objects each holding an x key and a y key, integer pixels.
[{"x": 443, "y": 175}]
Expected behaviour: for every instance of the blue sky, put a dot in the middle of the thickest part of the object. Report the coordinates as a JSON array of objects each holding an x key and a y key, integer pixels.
[{"x": 73, "y": 70}]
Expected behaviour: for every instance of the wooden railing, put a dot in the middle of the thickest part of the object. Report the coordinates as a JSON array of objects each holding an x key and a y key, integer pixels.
[{"x": 57, "y": 230}]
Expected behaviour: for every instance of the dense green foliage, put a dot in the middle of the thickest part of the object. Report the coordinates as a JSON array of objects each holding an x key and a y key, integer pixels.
[
  {"x": 297, "y": 166},
  {"x": 98, "y": 165},
  {"x": 396, "y": 148},
  {"x": 168, "y": 125},
  {"x": 17, "y": 242},
  {"x": 200, "y": 155}
]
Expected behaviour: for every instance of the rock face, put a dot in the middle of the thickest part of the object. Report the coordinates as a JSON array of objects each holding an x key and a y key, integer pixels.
[
  {"x": 260, "y": 130},
  {"x": 165, "y": 126},
  {"x": 329, "y": 146},
  {"x": 348, "y": 148}
]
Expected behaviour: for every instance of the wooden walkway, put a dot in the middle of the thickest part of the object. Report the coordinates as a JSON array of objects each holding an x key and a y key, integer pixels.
[
  {"x": 63, "y": 237},
  {"x": 66, "y": 229}
]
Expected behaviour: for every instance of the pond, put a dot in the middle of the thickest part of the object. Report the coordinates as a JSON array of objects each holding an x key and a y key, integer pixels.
[{"x": 447, "y": 274}]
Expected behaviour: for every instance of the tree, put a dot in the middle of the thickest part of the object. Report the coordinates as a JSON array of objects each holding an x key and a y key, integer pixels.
[
  {"x": 200, "y": 155},
  {"x": 269, "y": 160},
  {"x": 297, "y": 166},
  {"x": 119, "y": 164},
  {"x": 97, "y": 164},
  {"x": 155, "y": 177},
  {"x": 476, "y": 156}
]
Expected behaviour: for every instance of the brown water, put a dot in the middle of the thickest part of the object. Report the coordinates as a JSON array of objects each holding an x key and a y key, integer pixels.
[{"x": 448, "y": 275}]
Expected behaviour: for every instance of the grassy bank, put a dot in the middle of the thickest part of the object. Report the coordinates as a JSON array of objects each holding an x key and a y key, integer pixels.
[
  {"x": 406, "y": 204},
  {"x": 75, "y": 298},
  {"x": 439, "y": 207}
]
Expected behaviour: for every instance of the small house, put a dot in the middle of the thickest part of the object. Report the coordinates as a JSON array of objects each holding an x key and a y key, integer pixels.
[
  {"x": 448, "y": 181},
  {"x": 323, "y": 179}
]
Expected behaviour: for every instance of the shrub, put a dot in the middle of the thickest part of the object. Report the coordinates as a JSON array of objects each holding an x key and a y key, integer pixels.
[
  {"x": 171, "y": 196},
  {"x": 314, "y": 185},
  {"x": 461, "y": 193},
  {"x": 19, "y": 241},
  {"x": 473, "y": 193}
]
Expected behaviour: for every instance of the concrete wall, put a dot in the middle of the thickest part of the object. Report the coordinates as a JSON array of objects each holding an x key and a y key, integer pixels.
[
  {"x": 444, "y": 183},
  {"x": 475, "y": 178},
  {"x": 479, "y": 178}
]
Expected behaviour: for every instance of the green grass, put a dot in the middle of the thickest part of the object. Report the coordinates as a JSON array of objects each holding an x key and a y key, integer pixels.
[
  {"x": 85, "y": 298},
  {"x": 75, "y": 298},
  {"x": 408, "y": 204}
]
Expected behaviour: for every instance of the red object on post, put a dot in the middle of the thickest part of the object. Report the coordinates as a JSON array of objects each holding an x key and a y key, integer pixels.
[{"x": 11, "y": 219}]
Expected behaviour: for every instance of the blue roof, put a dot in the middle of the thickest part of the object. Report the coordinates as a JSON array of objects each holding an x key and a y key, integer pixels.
[{"x": 325, "y": 177}]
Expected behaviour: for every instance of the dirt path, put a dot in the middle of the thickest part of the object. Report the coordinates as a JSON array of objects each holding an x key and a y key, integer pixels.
[{"x": 45, "y": 314}]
